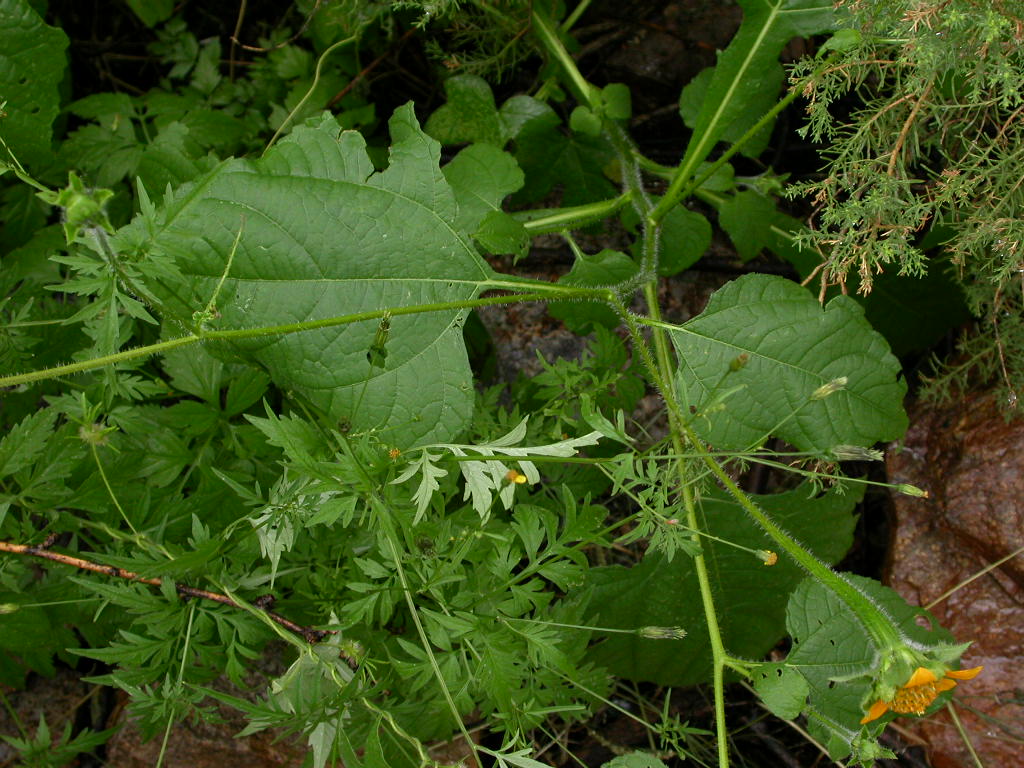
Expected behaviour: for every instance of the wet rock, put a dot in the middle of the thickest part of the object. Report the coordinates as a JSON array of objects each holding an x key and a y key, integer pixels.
[{"x": 972, "y": 463}]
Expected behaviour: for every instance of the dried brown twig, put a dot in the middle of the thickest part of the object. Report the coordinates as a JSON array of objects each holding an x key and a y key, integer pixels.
[{"x": 263, "y": 603}]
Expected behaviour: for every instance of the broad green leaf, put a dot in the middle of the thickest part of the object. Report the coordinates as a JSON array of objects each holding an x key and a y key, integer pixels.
[
  {"x": 617, "y": 101},
  {"x": 500, "y": 233},
  {"x": 583, "y": 120},
  {"x": 749, "y": 66},
  {"x": 685, "y": 236},
  {"x": 469, "y": 115},
  {"x": 914, "y": 313},
  {"x": 782, "y": 689},
  {"x": 152, "y": 12},
  {"x": 32, "y": 64},
  {"x": 521, "y": 112},
  {"x": 324, "y": 236},
  {"x": 604, "y": 268},
  {"x": 753, "y": 228},
  {"x": 481, "y": 176},
  {"x": 750, "y": 597},
  {"x": 747, "y": 218},
  {"x": 549, "y": 157},
  {"x": 26, "y": 640},
  {"x": 759, "y": 101},
  {"x": 752, "y": 362}
]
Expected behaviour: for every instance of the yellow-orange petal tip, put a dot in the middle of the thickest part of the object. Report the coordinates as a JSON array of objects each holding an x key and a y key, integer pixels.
[
  {"x": 921, "y": 676},
  {"x": 878, "y": 709},
  {"x": 964, "y": 674}
]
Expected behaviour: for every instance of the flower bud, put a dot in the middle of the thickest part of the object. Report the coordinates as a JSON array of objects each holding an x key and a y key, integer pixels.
[
  {"x": 911, "y": 490},
  {"x": 855, "y": 453},
  {"x": 767, "y": 556},
  {"x": 739, "y": 362},
  {"x": 829, "y": 389},
  {"x": 662, "y": 633}
]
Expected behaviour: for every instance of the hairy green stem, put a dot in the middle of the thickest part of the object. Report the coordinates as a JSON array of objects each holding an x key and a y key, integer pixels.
[
  {"x": 878, "y": 627},
  {"x": 540, "y": 292},
  {"x": 719, "y": 657},
  {"x": 549, "y": 39},
  {"x": 660, "y": 367},
  {"x": 573, "y": 217}
]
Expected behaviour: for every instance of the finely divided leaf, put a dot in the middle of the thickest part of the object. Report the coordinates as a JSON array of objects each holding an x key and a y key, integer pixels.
[
  {"x": 26, "y": 441},
  {"x": 426, "y": 465},
  {"x": 486, "y": 479},
  {"x": 324, "y": 236},
  {"x": 756, "y": 356}
]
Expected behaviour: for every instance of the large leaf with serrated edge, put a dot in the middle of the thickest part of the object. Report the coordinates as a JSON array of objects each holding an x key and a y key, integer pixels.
[
  {"x": 751, "y": 363},
  {"x": 323, "y": 235}
]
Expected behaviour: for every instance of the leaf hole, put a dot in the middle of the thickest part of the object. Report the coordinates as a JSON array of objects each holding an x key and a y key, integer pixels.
[
  {"x": 832, "y": 642},
  {"x": 831, "y": 683},
  {"x": 924, "y": 622},
  {"x": 778, "y": 672}
]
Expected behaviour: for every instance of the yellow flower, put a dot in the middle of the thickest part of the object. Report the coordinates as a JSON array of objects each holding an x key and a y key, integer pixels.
[
  {"x": 918, "y": 693},
  {"x": 513, "y": 476}
]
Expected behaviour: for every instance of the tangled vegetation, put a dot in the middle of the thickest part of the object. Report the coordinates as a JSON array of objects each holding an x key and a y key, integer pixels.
[{"x": 240, "y": 407}]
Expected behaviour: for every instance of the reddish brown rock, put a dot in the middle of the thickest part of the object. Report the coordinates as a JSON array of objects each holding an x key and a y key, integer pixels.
[{"x": 971, "y": 461}]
